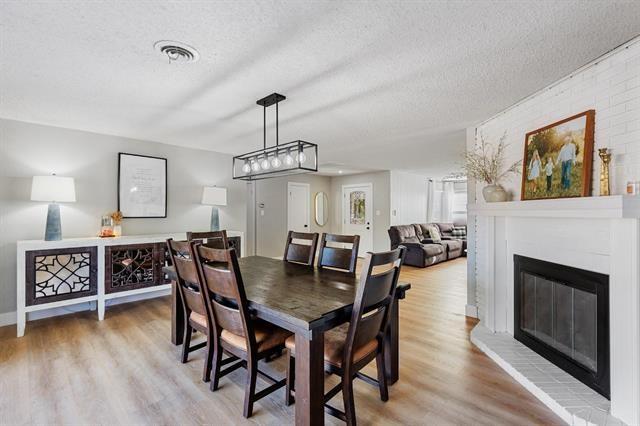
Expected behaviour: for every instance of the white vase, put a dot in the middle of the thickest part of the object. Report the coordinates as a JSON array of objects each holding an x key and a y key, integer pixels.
[
  {"x": 494, "y": 193},
  {"x": 117, "y": 231}
]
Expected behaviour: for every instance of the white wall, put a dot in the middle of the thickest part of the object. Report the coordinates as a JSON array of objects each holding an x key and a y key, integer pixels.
[
  {"x": 271, "y": 220},
  {"x": 408, "y": 198},
  {"x": 92, "y": 159},
  {"x": 611, "y": 86}
]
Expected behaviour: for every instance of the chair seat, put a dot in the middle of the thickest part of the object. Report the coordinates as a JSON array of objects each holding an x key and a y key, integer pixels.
[
  {"x": 268, "y": 336},
  {"x": 334, "y": 343},
  {"x": 199, "y": 319}
]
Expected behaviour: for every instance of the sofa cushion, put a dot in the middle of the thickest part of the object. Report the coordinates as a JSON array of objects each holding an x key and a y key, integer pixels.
[
  {"x": 410, "y": 240},
  {"x": 459, "y": 231},
  {"x": 406, "y": 231},
  {"x": 431, "y": 250},
  {"x": 434, "y": 233},
  {"x": 445, "y": 228},
  {"x": 452, "y": 245}
]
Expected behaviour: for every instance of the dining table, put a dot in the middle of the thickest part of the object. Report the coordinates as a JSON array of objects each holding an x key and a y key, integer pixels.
[{"x": 306, "y": 301}]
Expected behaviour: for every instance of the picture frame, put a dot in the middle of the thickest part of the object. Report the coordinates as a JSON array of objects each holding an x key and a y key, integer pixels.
[
  {"x": 558, "y": 159},
  {"x": 142, "y": 186}
]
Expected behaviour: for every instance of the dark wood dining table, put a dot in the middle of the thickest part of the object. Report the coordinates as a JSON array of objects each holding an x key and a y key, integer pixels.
[{"x": 306, "y": 301}]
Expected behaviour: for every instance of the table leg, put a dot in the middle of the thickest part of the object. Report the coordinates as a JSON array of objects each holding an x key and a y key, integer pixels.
[
  {"x": 177, "y": 315},
  {"x": 391, "y": 345},
  {"x": 309, "y": 384}
]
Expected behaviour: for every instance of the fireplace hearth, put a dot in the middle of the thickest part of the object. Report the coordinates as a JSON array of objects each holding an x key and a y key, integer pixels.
[{"x": 562, "y": 313}]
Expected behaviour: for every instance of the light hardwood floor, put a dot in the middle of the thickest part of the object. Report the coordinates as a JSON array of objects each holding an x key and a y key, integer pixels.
[{"x": 124, "y": 370}]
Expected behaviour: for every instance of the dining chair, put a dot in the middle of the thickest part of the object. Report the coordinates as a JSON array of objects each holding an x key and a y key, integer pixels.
[
  {"x": 339, "y": 257},
  {"x": 195, "y": 311},
  {"x": 351, "y": 346},
  {"x": 245, "y": 338},
  {"x": 213, "y": 239},
  {"x": 301, "y": 253}
]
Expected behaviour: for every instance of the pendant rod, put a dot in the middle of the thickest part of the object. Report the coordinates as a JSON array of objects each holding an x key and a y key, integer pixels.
[
  {"x": 264, "y": 126},
  {"x": 276, "y": 123}
]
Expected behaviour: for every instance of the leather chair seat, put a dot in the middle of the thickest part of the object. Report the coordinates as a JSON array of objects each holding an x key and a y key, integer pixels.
[
  {"x": 334, "y": 343},
  {"x": 268, "y": 336}
]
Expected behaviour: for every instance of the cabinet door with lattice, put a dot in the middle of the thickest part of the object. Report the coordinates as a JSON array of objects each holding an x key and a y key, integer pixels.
[{"x": 133, "y": 266}]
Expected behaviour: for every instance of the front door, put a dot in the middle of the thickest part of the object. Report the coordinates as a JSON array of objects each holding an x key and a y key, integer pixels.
[
  {"x": 298, "y": 199},
  {"x": 357, "y": 214}
]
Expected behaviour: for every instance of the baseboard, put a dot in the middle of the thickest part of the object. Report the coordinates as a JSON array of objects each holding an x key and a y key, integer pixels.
[
  {"x": 471, "y": 311},
  {"x": 10, "y": 318}
]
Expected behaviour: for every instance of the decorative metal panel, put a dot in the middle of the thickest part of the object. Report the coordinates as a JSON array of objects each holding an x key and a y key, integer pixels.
[
  {"x": 357, "y": 213},
  {"x": 60, "y": 274},
  {"x": 129, "y": 267}
]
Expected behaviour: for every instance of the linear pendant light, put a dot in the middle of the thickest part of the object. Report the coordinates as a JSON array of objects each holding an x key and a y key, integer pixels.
[{"x": 278, "y": 160}]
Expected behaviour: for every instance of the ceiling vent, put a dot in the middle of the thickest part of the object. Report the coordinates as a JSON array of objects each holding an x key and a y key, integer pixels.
[{"x": 176, "y": 51}]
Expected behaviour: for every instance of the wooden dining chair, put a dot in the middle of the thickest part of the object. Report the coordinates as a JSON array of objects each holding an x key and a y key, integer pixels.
[
  {"x": 213, "y": 239},
  {"x": 301, "y": 253},
  {"x": 195, "y": 311},
  {"x": 339, "y": 257},
  {"x": 351, "y": 346},
  {"x": 237, "y": 333}
]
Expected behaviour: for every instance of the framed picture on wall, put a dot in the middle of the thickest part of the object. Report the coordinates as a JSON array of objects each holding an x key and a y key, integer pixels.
[
  {"x": 558, "y": 159},
  {"x": 142, "y": 186}
]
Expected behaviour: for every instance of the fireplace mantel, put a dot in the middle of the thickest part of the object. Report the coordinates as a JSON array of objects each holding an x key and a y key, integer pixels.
[
  {"x": 612, "y": 207},
  {"x": 599, "y": 234}
]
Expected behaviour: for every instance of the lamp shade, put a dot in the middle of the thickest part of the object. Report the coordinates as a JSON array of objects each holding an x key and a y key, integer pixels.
[
  {"x": 214, "y": 196},
  {"x": 53, "y": 189}
]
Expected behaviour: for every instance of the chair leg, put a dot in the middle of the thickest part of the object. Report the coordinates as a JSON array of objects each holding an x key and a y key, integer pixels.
[
  {"x": 186, "y": 342},
  {"x": 349, "y": 403},
  {"x": 382, "y": 376},
  {"x": 206, "y": 374},
  {"x": 252, "y": 373},
  {"x": 217, "y": 359},
  {"x": 291, "y": 378}
]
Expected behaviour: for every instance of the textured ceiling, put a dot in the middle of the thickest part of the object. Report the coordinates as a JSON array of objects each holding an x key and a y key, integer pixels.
[{"x": 381, "y": 85}]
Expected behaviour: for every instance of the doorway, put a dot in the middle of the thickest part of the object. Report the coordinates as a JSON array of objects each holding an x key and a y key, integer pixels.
[
  {"x": 298, "y": 202},
  {"x": 357, "y": 217}
]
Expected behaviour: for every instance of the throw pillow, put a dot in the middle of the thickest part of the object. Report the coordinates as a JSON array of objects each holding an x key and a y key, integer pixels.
[
  {"x": 459, "y": 231},
  {"x": 434, "y": 233}
]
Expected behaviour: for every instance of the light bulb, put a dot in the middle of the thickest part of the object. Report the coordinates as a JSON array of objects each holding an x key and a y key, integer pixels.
[
  {"x": 300, "y": 156},
  {"x": 288, "y": 159},
  {"x": 255, "y": 166},
  {"x": 246, "y": 167},
  {"x": 265, "y": 163},
  {"x": 276, "y": 162}
]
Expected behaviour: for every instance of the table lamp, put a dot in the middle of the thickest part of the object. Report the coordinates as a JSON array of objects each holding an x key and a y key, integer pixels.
[
  {"x": 214, "y": 196},
  {"x": 53, "y": 189}
]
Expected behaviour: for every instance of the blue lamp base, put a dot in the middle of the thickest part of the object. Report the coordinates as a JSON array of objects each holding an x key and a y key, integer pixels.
[
  {"x": 215, "y": 219},
  {"x": 53, "y": 231}
]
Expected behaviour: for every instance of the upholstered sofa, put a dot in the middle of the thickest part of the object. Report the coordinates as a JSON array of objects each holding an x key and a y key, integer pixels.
[{"x": 422, "y": 251}]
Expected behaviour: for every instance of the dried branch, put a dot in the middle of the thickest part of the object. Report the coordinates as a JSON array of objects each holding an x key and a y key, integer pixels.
[{"x": 485, "y": 164}]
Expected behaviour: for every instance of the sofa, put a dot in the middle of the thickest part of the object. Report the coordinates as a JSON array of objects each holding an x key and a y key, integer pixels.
[{"x": 422, "y": 250}]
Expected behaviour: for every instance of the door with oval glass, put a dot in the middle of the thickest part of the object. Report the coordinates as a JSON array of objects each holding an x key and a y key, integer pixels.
[
  {"x": 298, "y": 207},
  {"x": 357, "y": 209}
]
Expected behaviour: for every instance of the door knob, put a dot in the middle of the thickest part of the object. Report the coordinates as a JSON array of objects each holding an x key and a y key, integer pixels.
[
  {"x": 305, "y": 226},
  {"x": 368, "y": 227}
]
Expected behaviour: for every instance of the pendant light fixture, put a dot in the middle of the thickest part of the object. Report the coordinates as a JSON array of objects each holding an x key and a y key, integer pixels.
[{"x": 277, "y": 160}]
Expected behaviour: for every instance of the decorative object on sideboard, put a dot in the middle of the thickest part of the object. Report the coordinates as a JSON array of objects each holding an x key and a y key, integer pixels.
[
  {"x": 53, "y": 189},
  {"x": 117, "y": 223},
  {"x": 558, "y": 159},
  {"x": 142, "y": 186},
  {"x": 214, "y": 197},
  {"x": 106, "y": 227},
  {"x": 485, "y": 164},
  {"x": 278, "y": 160},
  {"x": 605, "y": 157}
]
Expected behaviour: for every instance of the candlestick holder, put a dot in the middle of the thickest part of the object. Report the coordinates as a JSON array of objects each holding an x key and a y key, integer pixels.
[{"x": 605, "y": 157}]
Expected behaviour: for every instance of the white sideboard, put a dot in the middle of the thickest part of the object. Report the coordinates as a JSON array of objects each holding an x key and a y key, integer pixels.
[{"x": 53, "y": 274}]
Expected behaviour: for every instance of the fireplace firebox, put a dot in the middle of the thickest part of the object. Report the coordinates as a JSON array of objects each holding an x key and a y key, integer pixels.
[{"x": 562, "y": 313}]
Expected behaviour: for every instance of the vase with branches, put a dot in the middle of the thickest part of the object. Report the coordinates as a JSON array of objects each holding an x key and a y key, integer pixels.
[{"x": 487, "y": 164}]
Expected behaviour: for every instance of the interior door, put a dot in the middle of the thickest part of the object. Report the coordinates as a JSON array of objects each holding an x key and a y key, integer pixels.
[
  {"x": 298, "y": 207},
  {"x": 357, "y": 209}
]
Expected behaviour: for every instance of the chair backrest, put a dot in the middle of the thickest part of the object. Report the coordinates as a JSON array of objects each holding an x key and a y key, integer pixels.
[
  {"x": 223, "y": 288},
  {"x": 339, "y": 257},
  {"x": 374, "y": 297},
  {"x": 187, "y": 279},
  {"x": 301, "y": 253},
  {"x": 213, "y": 239}
]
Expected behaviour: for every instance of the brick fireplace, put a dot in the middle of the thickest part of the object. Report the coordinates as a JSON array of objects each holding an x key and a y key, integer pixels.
[{"x": 597, "y": 238}]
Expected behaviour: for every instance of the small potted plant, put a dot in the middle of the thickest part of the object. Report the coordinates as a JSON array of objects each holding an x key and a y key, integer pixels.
[
  {"x": 117, "y": 223},
  {"x": 486, "y": 164}
]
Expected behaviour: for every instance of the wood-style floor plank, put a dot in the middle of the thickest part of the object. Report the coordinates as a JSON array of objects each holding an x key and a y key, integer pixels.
[{"x": 124, "y": 370}]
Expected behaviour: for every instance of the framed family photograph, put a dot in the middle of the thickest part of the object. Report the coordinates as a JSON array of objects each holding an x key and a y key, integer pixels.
[
  {"x": 558, "y": 159},
  {"x": 142, "y": 186}
]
